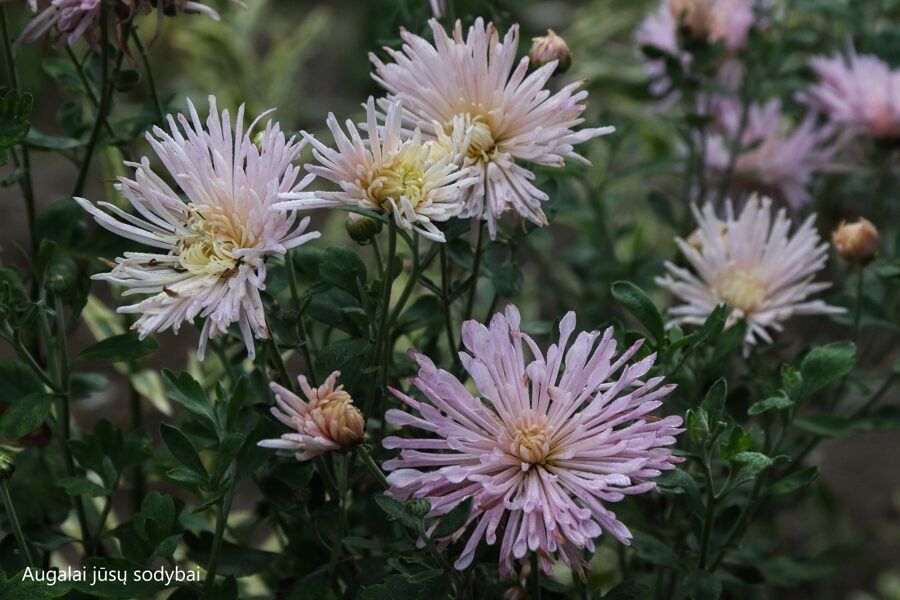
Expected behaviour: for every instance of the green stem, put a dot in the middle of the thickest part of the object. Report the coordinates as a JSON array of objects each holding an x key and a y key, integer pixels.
[
  {"x": 535, "y": 577},
  {"x": 14, "y": 522},
  {"x": 380, "y": 354},
  {"x": 857, "y": 309},
  {"x": 476, "y": 267},
  {"x": 373, "y": 468},
  {"x": 87, "y": 87},
  {"x": 709, "y": 518},
  {"x": 278, "y": 362},
  {"x": 410, "y": 283},
  {"x": 151, "y": 83},
  {"x": 222, "y": 510},
  {"x": 301, "y": 327},
  {"x": 105, "y": 98},
  {"x": 137, "y": 493},
  {"x": 64, "y": 416},
  {"x": 342, "y": 515},
  {"x": 445, "y": 300},
  {"x": 222, "y": 355},
  {"x": 26, "y": 183}
]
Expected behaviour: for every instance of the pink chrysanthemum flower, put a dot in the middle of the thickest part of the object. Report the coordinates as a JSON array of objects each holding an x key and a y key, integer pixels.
[
  {"x": 728, "y": 21},
  {"x": 858, "y": 91},
  {"x": 328, "y": 420},
  {"x": 544, "y": 445},
  {"x": 73, "y": 19},
  {"x": 778, "y": 162},
  {"x": 215, "y": 242},
  {"x": 754, "y": 264},
  {"x": 415, "y": 182},
  {"x": 474, "y": 82}
]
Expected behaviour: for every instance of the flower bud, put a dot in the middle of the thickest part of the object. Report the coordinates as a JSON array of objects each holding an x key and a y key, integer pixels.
[
  {"x": 548, "y": 48},
  {"x": 342, "y": 420},
  {"x": 61, "y": 275},
  {"x": 695, "y": 20},
  {"x": 7, "y": 466},
  {"x": 418, "y": 507},
  {"x": 856, "y": 242},
  {"x": 361, "y": 228}
]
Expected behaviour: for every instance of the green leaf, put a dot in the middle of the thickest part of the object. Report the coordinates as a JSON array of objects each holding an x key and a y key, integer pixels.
[
  {"x": 794, "y": 482},
  {"x": 80, "y": 486},
  {"x": 729, "y": 341},
  {"x": 825, "y": 425},
  {"x": 15, "y": 111},
  {"x": 713, "y": 325},
  {"x": 697, "y": 422},
  {"x": 654, "y": 551},
  {"x": 825, "y": 365},
  {"x": 737, "y": 442},
  {"x": 64, "y": 73},
  {"x": 181, "y": 448},
  {"x": 135, "y": 588},
  {"x": 16, "y": 588},
  {"x": 343, "y": 268},
  {"x": 40, "y": 141},
  {"x": 119, "y": 348},
  {"x": 627, "y": 590},
  {"x": 780, "y": 402},
  {"x": 395, "y": 509},
  {"x": 639, "y": 304},
  {"x": 714, "y": 402},
  {"x": 508, "y": 280},
  {"x": 234, "y": 560},
  {"x": 753, "y": 462},
  {"x": 453, "y": 520},
  {"x": 185, "y": 390},
  {"x": 17, "y": 380},
  {"x": 702, "y": 585},
  {"x": 25, "y": 416},
  {"x": 187, "y": 476},
  {"x": 229, "y": 447}
]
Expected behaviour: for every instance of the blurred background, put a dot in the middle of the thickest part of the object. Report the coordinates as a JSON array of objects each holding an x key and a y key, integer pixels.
[{"x": 614, "y": 220}]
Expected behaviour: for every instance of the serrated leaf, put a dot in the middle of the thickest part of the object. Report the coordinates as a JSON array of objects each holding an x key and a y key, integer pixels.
[
  {"x": 793, "y": 482},
  {"x": 185, "y": 390},
  {"x": 342, "y": 267},
  {"x": 181, "y": 448},
  {"x": 636, "y": 301},
  {"x": 453, "y": 520},
  {"x": 119, "y": 348},
  {"x": 825, "y": 365},
  {"x": 780, "y": 402}
]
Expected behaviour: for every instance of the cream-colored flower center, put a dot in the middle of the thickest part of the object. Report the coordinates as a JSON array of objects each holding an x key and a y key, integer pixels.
[
  {"x": 399, "y": 178},
  {"x": 530, "y": 440},
  {"x": 213, "y": 238},
  {"x": 743, "y": 289},
  {"x": 482, "y": 144}
]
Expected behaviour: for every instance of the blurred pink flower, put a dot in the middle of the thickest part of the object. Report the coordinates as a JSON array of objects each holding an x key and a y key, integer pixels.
[
  {"x": 212, "y": 246},
  {"x": 545, "y": 443},
  {"x": 475, "y": 83},
  {"x": 775, "y": 161},
  {"x": 327, "y": 421},
  {"x": 858, "y": 91},
  {"x": 754, "y": 264},
  {"x": 74, "y": 19}
]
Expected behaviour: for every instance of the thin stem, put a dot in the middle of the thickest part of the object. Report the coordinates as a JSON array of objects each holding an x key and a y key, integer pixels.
[
  {"x": 535, "y": 577},
  {"x": 14, "y": 522},
  {"x": 278, "y": 361},
  {"x": 372, "y": 467},
  {"x": 222, "y": 510},
  {"x": 301, "y": 327},
  {"x": 476, "y": 267},
  {"x": 87, "y": 87},
  {"x": 410, "y": 283},
  {"x": 151, "y": 83},
  {"x": 222, "y": 355},
  {"x": 342, "y": 514},
  {"x": 26, "y": 183},
  {"x": 105, "y": 98},
  {"x": 380, "y": 354},
  {"x": 445, "y": 299},
  {"x": 709, "y": 517},
  {"x": 64, "y": 416},
  {"x": 137, "y": 493},
  {"x": 857, "y": 309}
]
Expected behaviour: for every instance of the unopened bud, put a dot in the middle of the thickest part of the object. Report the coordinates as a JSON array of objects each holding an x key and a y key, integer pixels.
[
  {"x": 856, "y": 242},
  {"x": 61, "y": 275},
  {"x": 549, "y": 48},
  {"x": 695, "y": 19},
  {"x": 7, "y": 466},
  {"x": 342, "y": 420},
  {"x": 418, "y": 507},
  {"x": 361, "y": 228}
]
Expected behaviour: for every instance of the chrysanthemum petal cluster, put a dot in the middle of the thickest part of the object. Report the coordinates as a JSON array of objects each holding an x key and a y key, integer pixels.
[
  {"x": 414, "y": 181},
  {"x": 212, "y": 231},
  {"x": 776, "y": 160},
  {"x": 859, "y": 91},
  {"x": 544, "y": 446},
  {"x": 328, "y": 420},
  {"x": 752, "y": 262},
  {"x": 475, "y": 82}
]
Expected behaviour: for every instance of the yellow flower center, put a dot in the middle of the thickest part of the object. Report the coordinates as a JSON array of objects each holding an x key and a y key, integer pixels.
[
  {"x": 400, "y": 178},
  {"x": 530, "y": 440},
  {"x": 483, "y": 142},
  {"x": 743, "y": 289},
  {"x": 214, "y": 237}
]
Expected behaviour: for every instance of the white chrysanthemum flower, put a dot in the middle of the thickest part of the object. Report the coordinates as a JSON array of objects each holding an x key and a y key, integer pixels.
[
  {"x": 417, "y": 182},
  {"x": 475, "y": 82},
  {"x": 752, "y": 263},
  {"x": 215, "y": 241}
]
